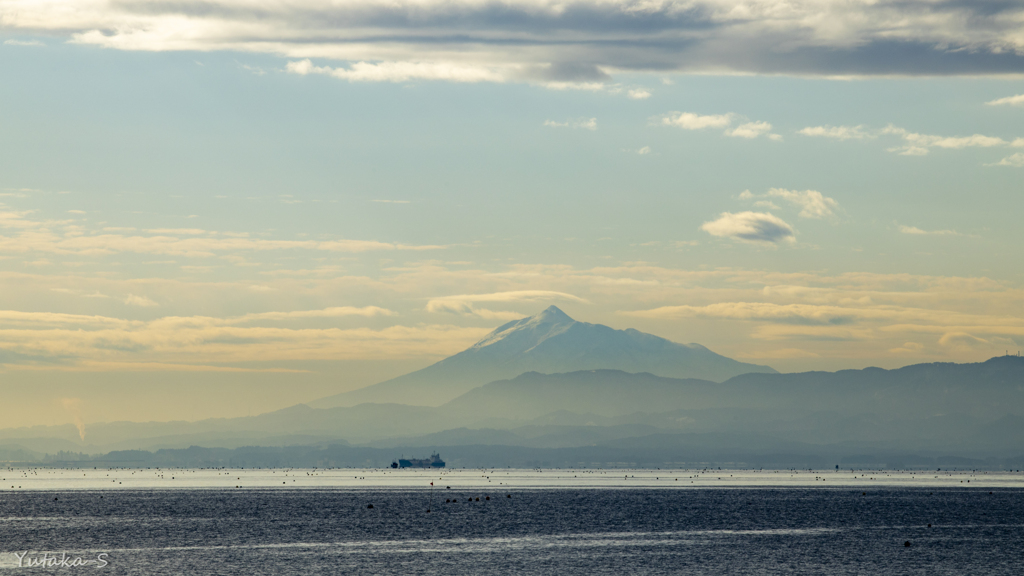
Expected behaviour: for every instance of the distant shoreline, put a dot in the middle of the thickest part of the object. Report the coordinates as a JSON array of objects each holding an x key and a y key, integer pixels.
[{"x": 492, "y": 479}]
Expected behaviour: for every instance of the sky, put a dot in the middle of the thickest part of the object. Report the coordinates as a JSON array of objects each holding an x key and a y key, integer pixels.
[{"x": 225, "y": 207}]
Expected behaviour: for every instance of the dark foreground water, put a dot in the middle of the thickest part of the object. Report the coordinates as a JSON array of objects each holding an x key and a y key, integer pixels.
[{"x": 563, "y": 532}]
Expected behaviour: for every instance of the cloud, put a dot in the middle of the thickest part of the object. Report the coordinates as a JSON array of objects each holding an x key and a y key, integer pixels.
[
  {"x": 751, "y": 130},
  {"x": 908, "y": 348},
  {"x": 806, "y": 314},
  {"x": 23, "y": 43},
  {"x": 1014, "y": 160},
  {"x": 851, "y": 322},
  {"x": 644, "y": 150},
  {"x": 837, "y": 132},
  {"x": 812, "y": 204},
  {"x": 64, "y": 237},
  {"x": 638, "y": 94},
  {"x": 465, "y": 303},
  {"x": 401, "y": 72},
  {"x": 961, "y": 340},
  {"x": 880, "y": 311},
  {"x": 757, "y": 227},
  {"x": 1017, "y": 100},
  {"x": 919, "y": 232},
  {"x": 584, "y": 123},
  {"x": 554, "y": 40},
  {"x": 206, "y": 343},
  {"x": 691, "y": 121},
  {"x": 142, "y": 301},
  {"x": 915, "y": 144},
  {"x": 919, "y": 144},
  {"x": 334, "y": 312},
  {"x": 178, "y": 231}
]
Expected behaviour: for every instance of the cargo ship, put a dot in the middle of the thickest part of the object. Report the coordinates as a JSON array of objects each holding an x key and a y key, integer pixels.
[{"x": 433, "y": 462}]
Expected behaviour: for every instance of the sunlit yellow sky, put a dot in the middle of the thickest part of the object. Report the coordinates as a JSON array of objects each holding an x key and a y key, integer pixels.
[{"x": 226, "y": 208}]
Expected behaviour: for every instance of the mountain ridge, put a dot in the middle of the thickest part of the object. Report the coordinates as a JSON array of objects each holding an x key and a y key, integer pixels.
[
  {"x": 547, "y": 342},
  {"x": 967, "y": 409}
]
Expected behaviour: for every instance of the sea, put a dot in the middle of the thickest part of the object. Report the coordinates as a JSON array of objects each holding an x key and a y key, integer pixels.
[{"x": 499, "y": 521}]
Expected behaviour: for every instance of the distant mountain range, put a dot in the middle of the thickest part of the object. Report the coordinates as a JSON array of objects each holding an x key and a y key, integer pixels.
[
  {"x": 549, "y": 342},
  {"x": 914, "y": 414}
]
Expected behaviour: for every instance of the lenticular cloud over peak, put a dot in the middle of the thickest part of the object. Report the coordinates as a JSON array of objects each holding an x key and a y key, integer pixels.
[{"x": 548, "y": 42}]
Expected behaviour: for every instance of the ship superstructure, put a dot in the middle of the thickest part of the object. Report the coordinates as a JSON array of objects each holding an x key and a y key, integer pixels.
[{"x": 433, "y": 462}]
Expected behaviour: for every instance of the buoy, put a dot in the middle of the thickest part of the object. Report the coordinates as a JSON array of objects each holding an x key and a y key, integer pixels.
[
  {"x": 929, "y": 525},
  {"x": 455, "y": 500},
  {"x": 477, "y": 498},
  {"x": 370, "y": 506},
  {"x": 448, "y": 500},
  {"x": 509, "y": 496},
  {"x": 907, "y": 543},
  {"x": 488, "y": 497},
  {"x": 863, "y": 493}
]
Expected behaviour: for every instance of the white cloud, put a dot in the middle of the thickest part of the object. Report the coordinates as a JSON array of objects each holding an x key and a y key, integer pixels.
[
  {"x": 401, "y": 71},
  {"x": 1017, "y": 100},
  {"x": 1014, "y": 160},
  {"x": 93, "y": 343},
  {"x": 334, "y": 312},
  {"x": 812, "y": 204},
  {"x": 750, "y": 130},
  {"x": 915, "y": 144},
  {"x": 63, "y": 237},
  {"x": 177, "y": 231},
  {"x": 691, "y": 121},
  {"x": 142, "y": 301},
  {"x": 584, "y": 123},
  {"x": 919, "y": 232},
  {"x": 757, "y": 227},
  {"x": 639, "y": 94},
  {"x": 23, "y": 43},
  {"x": 837, "y": 132},
  {"x": 644, "y": 150},
  {"x": 465, "y": 303},
  {"x": 909, "y": 150},
  {"x": 918, "y": 144}
]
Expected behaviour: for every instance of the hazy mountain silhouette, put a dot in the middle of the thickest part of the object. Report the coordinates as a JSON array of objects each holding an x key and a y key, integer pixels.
[
  {"x": 926, "y": 410},
  {"x": 548, "y": 342},
  {"x": 990, "y": 389}
]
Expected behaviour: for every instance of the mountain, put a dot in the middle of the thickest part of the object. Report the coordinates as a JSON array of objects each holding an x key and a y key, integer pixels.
[
  {"x": 941, "y": 409},
  {"x": 978, "y": 392},
  {"x": 549, "y": 342}
]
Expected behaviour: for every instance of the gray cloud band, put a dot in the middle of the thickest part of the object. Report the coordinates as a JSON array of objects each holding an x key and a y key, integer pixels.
[{"x": 547, "y": 41}]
